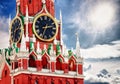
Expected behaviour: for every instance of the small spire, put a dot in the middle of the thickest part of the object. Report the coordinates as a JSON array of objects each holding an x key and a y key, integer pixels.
[
  {"x": 55, "y": 41},
  {"x": 38, "y": 48},
  {"x": 77, "y": 46},
  {"x": 26, "y": 21},
  {"x": 52, "y": 50},
  {"x": 61, "y": 26},
  {"x": 34, "y": 39},
  {"x": 23, "y": 43},
  {"x": 45, "y": 48},
  {"x": 43, "y": 1}
]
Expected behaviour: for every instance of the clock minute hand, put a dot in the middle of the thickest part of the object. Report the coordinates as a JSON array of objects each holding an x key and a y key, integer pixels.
[
  {"x": 49, "y": 26},
  {"x": 44, "y": 29}
]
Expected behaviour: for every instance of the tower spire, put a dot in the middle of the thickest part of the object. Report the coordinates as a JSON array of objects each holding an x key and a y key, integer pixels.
[
  {"x": 61, "y": 26},
  {"x": 38, "y": 48},
  {"x": 77, "y": 46},
  {"x": 23, "y": 43},
  {"x": 43, "y": 1},
  {"x": 27, "y": 16}
]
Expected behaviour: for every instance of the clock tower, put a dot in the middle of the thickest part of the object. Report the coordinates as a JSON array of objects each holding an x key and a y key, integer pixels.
[{"x": 36, "y": 54}]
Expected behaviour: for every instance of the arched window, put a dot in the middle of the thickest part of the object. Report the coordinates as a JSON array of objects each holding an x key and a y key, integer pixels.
[
  {"x": 45, "y": 62},
  {"x": 16, "y": 65},
  {"x": 32, "y": 62},
  {"x": 72, "y": 65},
  {"x": 52, "y": 81},
  {"x": 36, "y": 82},
  {"x": 59, "y": 63},
  {"x": 67, "y": 82}
]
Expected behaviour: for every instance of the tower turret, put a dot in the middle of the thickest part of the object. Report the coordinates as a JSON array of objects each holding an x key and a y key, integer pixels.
[{"x": 77, "y": 47}]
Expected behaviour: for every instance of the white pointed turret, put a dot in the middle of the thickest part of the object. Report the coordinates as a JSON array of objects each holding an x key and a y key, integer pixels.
[
  {"x": 26, "y": 22},
  {"x": 23, "y": 43},
  {"x": 61, "y": 26},
  {"x": 52, "y": 51},
  {"x": 18, "y": 2},
  {"x": 45, "y": 48},
  {"x": 38, "y": 48},
  {"x": 43, "y": 1},
  {"x": 55, "y": 41},
  {"x": 77, "y": 47}
]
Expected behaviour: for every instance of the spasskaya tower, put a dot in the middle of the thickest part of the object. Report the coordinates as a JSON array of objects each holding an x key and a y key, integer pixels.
[{"x": 37, "y": 54}]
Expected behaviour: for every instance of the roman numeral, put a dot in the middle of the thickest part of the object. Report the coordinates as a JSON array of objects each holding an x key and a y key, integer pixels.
[
  {"x": 53, "y": 32},
  {"x": 45, "y": 37},
  {"x": 41, "y": 18},
  {"x": 37, "y": 30},
  {"x": 53, "y": 23},
  {"x": 45, "y": 17},
  {"x": 41, "y": 35},
  {"x": 49, "y": 36},
  {"x": 36, "y": 26},
  {"x": 38, "y": 21},
  {"x": 54, "y": 28}
]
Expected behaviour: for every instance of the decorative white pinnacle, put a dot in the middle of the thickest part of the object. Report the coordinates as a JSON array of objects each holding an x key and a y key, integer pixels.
[
  {"x": 26, "y": 22},
  {"x": 77, "y": 46},
  {"x": 61, "y": 26},
  {"x": 43, "y": 1},
  {"x": 45, "y": 48},
  {"x": 52, "y": 50},
  {"x": 34, "y": 39},
  {"x": 38, "y": 48},
  {"x": 23, "y": 43},
  {"x": 55, "y": 41}
]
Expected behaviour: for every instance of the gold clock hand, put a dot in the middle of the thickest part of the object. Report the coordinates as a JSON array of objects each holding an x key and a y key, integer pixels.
[
  {"x": 49, "y": 26},
  {"x": 44, "y": 29}
]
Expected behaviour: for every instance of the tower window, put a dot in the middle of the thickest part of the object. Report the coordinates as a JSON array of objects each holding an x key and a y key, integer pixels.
[
  {"x": 36, "y": 82},
  {"x": 30, "y": 1},
  {"x": 32, "y": 62},
  {"x": 6, "y": 73}
]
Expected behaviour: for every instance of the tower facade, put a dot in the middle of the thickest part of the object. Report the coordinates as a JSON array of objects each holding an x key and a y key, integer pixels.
[{"x": 36, "y": 54}]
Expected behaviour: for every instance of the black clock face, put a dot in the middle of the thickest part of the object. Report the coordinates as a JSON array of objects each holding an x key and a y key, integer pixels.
[
  {"x": 16, "y": 30},
  {"x": 45, "y": 27}
]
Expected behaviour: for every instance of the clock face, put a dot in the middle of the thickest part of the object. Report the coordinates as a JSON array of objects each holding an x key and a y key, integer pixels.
[
  {"x": 16, "y": 30},
  {"x": 45, "y": 27}
]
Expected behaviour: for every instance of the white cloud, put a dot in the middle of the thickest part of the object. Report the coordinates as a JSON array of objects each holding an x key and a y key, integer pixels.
[
  {"x": 4, "y": 42},
  {"x": 92, "y": 18},
  {"x": 4, "y": 24},
  {"x": 102, "y": 51},
  {"x": 4, "y": 36},
  {"x": 64, "y": 36}
]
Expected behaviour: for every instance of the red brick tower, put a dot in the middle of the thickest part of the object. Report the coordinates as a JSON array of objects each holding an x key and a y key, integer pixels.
[{"x": 37, "y": 54}]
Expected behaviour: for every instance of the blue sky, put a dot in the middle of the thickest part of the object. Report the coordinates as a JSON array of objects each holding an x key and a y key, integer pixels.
[{"x": 96, "y": 21}]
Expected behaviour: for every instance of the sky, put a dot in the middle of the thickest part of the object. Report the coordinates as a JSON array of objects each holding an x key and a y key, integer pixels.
[{"x": 97, "y": 23}]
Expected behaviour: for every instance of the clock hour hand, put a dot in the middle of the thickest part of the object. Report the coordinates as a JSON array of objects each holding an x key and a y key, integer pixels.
[{"x": 47, "y": 27}]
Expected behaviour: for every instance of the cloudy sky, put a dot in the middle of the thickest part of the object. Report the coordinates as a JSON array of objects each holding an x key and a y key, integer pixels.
[{"x": 96, "y": 21}]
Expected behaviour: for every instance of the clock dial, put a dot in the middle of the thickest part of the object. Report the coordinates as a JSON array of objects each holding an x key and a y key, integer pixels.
[
  {"x": 16, "y": 30},
  {"x": 45, "y": 27}
]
